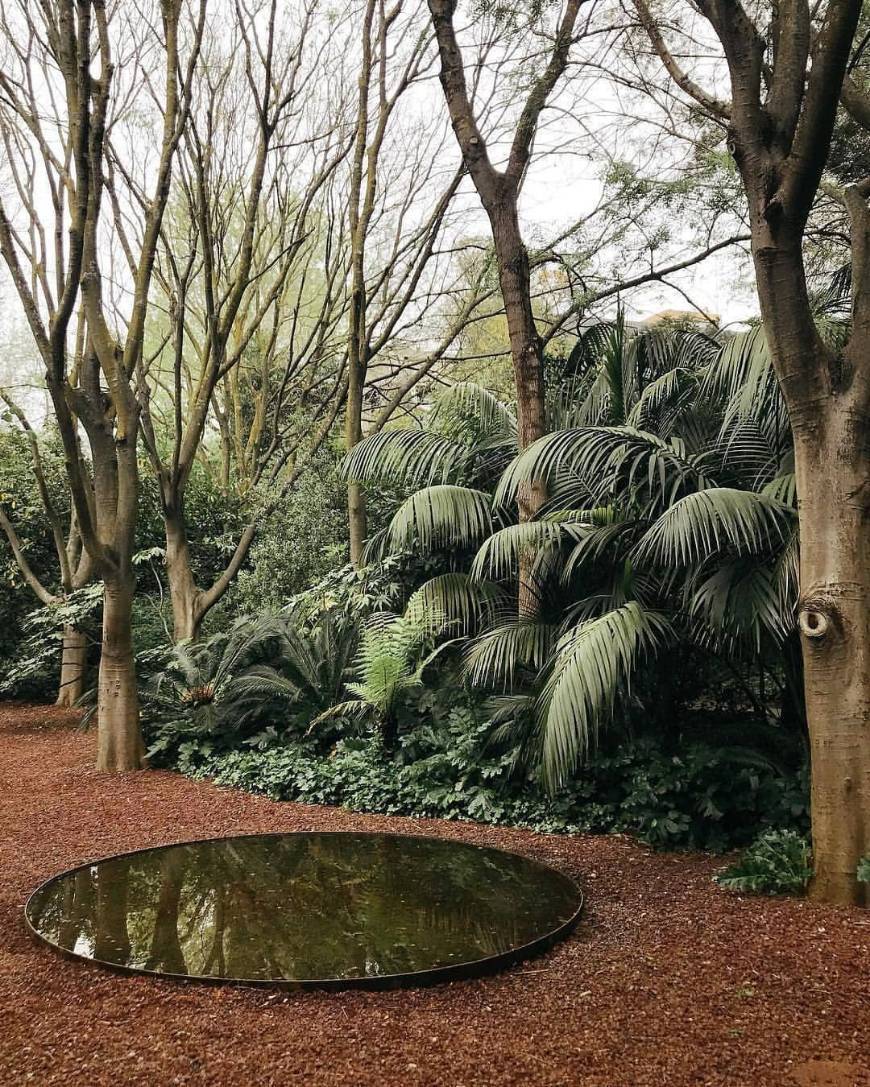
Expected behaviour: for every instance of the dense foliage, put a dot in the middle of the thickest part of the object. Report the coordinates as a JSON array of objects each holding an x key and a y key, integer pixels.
[
  {"x": 662, "y": 570},
  {"x": 668, "y": 536}
]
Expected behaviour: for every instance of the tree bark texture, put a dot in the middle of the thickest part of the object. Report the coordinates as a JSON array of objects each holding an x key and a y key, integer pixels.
[
  {"x": 73, "y": 663},
  {"x": 184, "y": 595},
  {"x": 834, "y": 618},
  {"x": 119, "y": 741}
]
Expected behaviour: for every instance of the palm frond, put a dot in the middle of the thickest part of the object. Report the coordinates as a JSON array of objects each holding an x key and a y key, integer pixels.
[
  {"x": 602, "y": 455},
  {"x": 500, "y": 553},
  {"x": 441, "y": 516},
  {"x": 353, "y": 707},
  {"x": 414, "y": 457},
  {"x": 664, "y": 400},
  {"x": 261, "y": 681},
  {"x": 782, "y": 489},
  {"x": 596, "y": 541},
  {"x": 468, "y": 412},
  {"x": 743, "y": 601},
  {"x": 466, "y": 603},
  {"x": 493, "y": 659},
  {"x": 593, "y": 663},
  {"x": 711, "y": 521}
]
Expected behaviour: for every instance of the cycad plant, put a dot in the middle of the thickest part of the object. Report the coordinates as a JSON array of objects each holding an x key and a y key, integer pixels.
[
  {"x": 217, "y": 686},
  {"x": 670, "y": 520}
]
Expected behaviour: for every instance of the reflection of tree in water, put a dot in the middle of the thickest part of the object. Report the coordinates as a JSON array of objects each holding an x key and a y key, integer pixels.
[
  {"x": 77, "y": 907},
  {"x": 111, "y": 936},
  {"x": 166, "y": 954},
  {"x": 306, "y": 906}
]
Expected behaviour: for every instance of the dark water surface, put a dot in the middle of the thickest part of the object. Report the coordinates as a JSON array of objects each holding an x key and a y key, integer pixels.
[{"x": 342, "y": 909}]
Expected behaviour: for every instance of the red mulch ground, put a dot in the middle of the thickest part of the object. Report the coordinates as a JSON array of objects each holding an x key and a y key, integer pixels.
[{"x": 666, "y": 982}]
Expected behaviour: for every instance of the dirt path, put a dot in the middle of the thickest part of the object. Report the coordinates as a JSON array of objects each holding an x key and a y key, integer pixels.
[{"x": 667, "y": 982}]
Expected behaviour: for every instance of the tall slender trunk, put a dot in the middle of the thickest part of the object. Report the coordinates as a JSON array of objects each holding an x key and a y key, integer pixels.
[
  {"x": 834, "y": 619},
  {"x": 526, "y": 350},
  {"x": 356, "y": 499},
  {"x": 183, "y": 592},
  {"x": 119, "y": 742},
  {"x": 74, "y": 657},
  {"x": 356, "y": 366},
  {"x": 356, "y": 520},
  {"x": 528, "y": 365}
]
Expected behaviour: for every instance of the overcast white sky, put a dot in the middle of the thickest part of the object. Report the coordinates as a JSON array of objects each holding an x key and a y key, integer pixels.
[{"x": 558, "y": 190}]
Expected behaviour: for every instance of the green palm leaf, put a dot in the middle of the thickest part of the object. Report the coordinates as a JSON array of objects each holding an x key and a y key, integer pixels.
[
  {"x": 415, "y": 457},
  {"x": 493, "y": 659},
  {"x": 662, "y": 401},
  {"x": 463, "y": 601},
  {"x": 441, "y": 516},
  {"x": 600, "y": 456},
  {"x": 743, "y": 601},
  {"x": 782, "y": 489},
  {"x": 708, "y": 522},
  {"x": 593, "y": 663},
  {"x": 499, "y": 555},
  {"x": 467, "y": 410}
]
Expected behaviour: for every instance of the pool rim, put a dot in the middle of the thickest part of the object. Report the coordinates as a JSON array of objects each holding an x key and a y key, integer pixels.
[{"x": 463, "y": 971}]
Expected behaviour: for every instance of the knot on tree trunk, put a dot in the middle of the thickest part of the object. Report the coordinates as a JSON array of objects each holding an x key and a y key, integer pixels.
[
  {"x": 818, "y": 619},
  {"x": 773, "y": 209}
]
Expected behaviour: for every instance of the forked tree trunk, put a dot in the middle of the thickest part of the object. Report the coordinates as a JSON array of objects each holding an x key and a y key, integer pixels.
[
  {"x": 73, "y": 662},
  {"x": 119, "y": 743},
  {"x": 833, "y": 472}
]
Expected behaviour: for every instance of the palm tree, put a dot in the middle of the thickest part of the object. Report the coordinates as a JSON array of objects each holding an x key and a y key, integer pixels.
[{"x": 670, "y": 520}]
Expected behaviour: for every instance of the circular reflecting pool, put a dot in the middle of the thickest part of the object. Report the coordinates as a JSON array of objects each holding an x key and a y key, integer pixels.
[{"x": 315, "y": 910}]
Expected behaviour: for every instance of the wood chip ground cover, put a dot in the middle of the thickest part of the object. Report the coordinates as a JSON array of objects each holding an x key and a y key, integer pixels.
[{"x": 667, "y": 982}]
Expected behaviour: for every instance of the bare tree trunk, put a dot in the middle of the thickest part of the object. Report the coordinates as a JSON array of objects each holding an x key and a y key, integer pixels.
[
  {"x": 183, "y": 592},
  {"x": 834, "y": 620},
  {"x": 526, "y": 352},
  {"x": 360, "y": 209},
  {"x": 119, "y": 744},
  {"x": 74, "y": 657},
  {"x": 356, "y": 499},
  {"x": 356, "y": 521},
  {"x": 528, "y": 363},
  {"x": 499, "y": 193}
]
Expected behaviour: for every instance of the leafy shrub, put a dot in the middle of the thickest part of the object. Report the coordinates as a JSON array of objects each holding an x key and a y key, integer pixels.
[
  {"x": 446, "y": 767},
  {"x": 864, "y": 869},
  {"x": 33, "y": 671},
  {"x": 777, "y": 862}
]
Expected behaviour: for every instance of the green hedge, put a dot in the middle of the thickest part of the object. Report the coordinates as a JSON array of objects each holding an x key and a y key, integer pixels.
[{"x": 699, "y": 798}]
